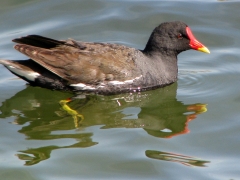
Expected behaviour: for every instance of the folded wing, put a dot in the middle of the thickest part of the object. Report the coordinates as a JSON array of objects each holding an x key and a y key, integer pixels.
[{"x": 80, "y": 62}]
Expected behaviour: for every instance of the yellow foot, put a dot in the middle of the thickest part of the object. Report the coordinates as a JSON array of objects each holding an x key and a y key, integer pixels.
[{"x": 71, "y": 112}]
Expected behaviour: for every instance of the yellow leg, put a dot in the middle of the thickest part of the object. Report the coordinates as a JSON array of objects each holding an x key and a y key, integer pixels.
[{"x": 71, "y": 112}]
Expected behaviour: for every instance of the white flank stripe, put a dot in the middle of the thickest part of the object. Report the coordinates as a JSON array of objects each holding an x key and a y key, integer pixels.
[
  {"x": 130, "y": 81},
  {"x": 82, "y": 86},
  {"x": 115, "y": 82}
]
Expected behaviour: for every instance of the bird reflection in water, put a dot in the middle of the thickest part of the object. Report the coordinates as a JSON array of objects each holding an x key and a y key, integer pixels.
[{"x": 158, "y": 112}]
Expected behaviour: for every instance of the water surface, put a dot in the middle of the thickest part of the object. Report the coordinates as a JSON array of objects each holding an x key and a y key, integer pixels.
[{"x": 189, "y": 130}]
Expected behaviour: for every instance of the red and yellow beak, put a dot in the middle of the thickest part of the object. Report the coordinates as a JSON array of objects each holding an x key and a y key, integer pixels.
[{"x": 194, "y": 43}]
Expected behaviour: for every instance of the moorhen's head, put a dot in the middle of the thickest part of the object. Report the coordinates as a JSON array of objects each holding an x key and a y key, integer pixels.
[{"x": 173, "y": 37}]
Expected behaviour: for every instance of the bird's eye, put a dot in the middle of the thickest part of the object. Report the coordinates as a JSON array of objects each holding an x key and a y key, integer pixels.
[{"x": 179, "y": 36}]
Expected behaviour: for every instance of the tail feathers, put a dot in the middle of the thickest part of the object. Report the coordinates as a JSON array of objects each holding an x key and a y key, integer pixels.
[
  {"x": 39, "y": 41},
  {"x": 20, "y": 69}
]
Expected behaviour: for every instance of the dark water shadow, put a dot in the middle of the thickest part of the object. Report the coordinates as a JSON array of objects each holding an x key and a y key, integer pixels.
[
  {"x": 178, "y": 158},
  {"x": 157, "y": 112}
]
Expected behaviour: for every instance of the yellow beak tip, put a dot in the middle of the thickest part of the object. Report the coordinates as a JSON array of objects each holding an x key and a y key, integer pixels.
[{"x": 204, "y": 49}]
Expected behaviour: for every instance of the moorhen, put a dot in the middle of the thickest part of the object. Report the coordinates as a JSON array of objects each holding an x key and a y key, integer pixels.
[{"x": 103, "y": 68}]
